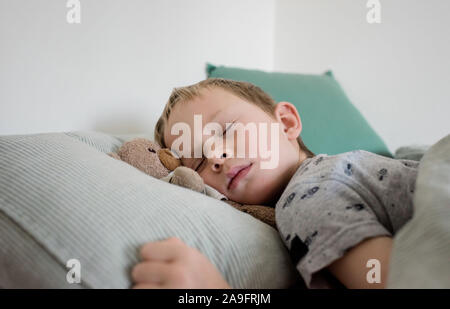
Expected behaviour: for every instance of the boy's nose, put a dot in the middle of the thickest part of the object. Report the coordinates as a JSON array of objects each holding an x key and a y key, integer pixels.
[{"x": 217, "y": 162}]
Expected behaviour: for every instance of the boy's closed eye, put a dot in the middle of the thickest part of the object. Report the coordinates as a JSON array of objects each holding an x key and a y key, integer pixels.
[{"x": 197, "y": 169}]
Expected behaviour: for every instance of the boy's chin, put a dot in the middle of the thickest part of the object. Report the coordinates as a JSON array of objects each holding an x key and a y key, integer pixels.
[
  {"x": 255, "y": 194},
  {"x": 255, "y": 199}
]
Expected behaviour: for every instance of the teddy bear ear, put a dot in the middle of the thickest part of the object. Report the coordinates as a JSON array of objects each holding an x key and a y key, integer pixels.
[
  {"x": 114, "y": 155},
  {"x": 168, "y": 159}
]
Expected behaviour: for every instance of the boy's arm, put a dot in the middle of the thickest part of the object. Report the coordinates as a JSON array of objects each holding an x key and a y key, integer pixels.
[{"x": 351, "y": 270}]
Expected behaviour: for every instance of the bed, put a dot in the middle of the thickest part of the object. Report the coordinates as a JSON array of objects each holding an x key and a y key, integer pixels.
[{"x": 62, "y": 197}]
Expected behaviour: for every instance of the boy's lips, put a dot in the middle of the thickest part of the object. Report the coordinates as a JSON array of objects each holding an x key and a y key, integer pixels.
[{"x": 237, "y": 173}]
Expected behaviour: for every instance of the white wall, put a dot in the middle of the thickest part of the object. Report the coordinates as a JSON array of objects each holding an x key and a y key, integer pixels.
[
  {"x": 115, "y": 70},
  {"x": 397, "y": 73}
]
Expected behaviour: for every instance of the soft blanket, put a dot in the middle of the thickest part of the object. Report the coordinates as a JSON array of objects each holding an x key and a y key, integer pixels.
[{"x": 421, "y": 251}]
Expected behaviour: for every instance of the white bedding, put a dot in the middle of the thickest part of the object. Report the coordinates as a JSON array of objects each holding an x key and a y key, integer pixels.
[{"x": 421, "y": 252}]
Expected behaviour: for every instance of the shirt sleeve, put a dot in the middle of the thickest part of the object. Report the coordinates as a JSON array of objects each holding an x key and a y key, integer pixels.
[{"x": 319, "y": 222}]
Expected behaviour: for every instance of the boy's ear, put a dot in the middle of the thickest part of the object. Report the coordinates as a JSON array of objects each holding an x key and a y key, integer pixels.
[{"x": 286, "y": 114}]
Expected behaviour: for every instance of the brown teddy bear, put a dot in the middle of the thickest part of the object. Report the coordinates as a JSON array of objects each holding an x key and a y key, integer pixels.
[
  {"x": 158, "y": 162},
  {"x": 151, "y": 159}
]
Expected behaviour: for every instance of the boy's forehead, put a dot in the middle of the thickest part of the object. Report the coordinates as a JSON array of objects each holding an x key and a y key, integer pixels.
[
  {"x": 211, "y": 104},
  {"x": 207, "y": 104}
]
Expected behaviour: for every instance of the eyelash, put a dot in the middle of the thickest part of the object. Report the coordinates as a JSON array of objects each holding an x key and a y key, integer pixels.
[{"x": 223, "y": 133}]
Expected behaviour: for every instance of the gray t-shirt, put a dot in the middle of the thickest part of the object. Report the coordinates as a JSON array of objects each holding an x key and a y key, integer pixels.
[{"x": 332, "y": 203}]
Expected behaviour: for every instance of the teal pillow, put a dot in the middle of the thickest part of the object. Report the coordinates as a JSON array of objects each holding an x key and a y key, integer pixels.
[{"x": 331, "y": 124}]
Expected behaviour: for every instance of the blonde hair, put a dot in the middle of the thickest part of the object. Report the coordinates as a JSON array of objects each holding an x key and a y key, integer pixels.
[{"x": 247, "y": 91}]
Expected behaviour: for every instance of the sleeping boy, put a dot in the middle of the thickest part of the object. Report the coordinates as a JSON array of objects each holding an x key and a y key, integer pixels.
[{"x": 335, "y": 213}]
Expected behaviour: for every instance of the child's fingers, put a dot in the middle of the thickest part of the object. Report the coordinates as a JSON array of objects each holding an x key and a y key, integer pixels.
[
  {"x": 153, "y": 273},
  {"x": 165, "y": 250}
]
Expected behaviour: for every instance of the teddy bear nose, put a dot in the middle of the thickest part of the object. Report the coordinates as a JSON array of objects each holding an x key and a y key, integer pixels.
[{"x": 151, "y": 150}]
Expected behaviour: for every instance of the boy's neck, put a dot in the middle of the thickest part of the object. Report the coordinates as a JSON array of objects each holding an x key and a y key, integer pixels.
[{"x": 301, "y": 158}]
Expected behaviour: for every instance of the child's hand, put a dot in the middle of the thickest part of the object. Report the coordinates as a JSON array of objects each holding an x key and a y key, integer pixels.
[{"x": 171, "y": 264}]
